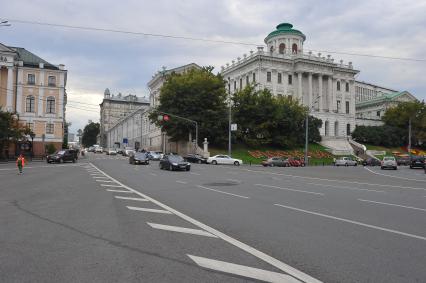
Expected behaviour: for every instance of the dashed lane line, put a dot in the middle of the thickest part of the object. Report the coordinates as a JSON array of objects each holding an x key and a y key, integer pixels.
[
  {"x": 120, "y": 191},
  {"x": 397, "y": 177},
  {"x": 181, "y": 230},
  {"x": 196, "y": 174},
  {"x": 354, "y": 222},
  {"x": 235, "y": 195},
  {"x": 392, "y": 204},
  {"x": 181, "y": 182},
  {"x": 100, "y": 177},
  {"x": 107, "y": 185},
  {"x": 128, "y": 198},
  {"x": 288, "y": 189},
  {"x": 104, "y": 181},
  {"x": 260, "y": 255},
  {"x": 345, "y": 187},
  {"x": 241, "y": 270},
  {"x": 149, "y": 210}
]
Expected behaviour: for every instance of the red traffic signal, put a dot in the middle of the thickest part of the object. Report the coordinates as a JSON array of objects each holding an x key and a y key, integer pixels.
[{"x": 166, "y": 118}]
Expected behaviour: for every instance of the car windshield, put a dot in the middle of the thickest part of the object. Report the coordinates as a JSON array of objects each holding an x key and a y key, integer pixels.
[
  {"x": 60, "y": 152},
  {"x": 140, "y": 155},
  {"x": 388, "y": 158},
  {"x": 176, "y": 158}
]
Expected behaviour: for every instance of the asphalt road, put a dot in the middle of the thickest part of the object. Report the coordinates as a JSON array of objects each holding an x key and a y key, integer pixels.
[{"x": 104, "y": 220}]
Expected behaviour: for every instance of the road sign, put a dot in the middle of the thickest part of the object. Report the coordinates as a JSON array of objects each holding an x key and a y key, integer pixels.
[
  {"x": 233, "y": 127},
  {"x": 125, "y": 140}
]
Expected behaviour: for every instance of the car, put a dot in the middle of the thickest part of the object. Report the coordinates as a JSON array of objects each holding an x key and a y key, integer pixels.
[
  {"x": 417, "y": 162},
  {"x": 403, "y": 160},
  {"x": 111, "y": 151},
  {"x": 154, "y": 155},
  {"x": 223, "y": 159},
  {"x": 91, "y": 149},
  {"x": 296, "y": 162},
  {"x": 128, "y": 151},
  {"x": 345, "y": 161},
  {"x": 99, "y": 149},
  {"x": 389, "y": 162},
  {"x": 174, "y": 162},
  {"x": 276, "y": 161},
  {"x": 61, "y": 156},
  {"x": 139, "y": 158},
  {"x": 371, "y": 162},
  {"x": 119, "y": 150},
  {"x": 195, "y": 158}
]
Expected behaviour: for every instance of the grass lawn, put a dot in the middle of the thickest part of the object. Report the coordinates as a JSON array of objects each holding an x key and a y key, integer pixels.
[{"x": 388, "y": 150}]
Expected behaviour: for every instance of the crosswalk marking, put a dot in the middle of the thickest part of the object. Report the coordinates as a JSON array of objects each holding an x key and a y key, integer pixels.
[
  {"x": 106, "y": 185},
  {"x": 127, "y": 198},
  {"x": 105, "y": 181},
  {"x": 149, "y": 210},
  {"x": 181, "y": 230},
  {"x": 120, "y": 191},
  {"x": 245, "y": 271}
]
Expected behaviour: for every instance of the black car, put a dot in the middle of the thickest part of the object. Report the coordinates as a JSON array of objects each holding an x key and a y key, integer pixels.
[
  {"x": 417, "y": 162},
  {"x": 139, "y": 158},
  {"x": 371, "y": 162},
  {"x": 61, "y": 156},
  {"x": 195, "y": 158},
  {"x": 403, "y": 160},
  {"x": 174, "y": 162}
]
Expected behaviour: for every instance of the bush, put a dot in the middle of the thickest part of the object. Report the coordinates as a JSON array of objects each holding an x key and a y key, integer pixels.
[
  {"x": 387, "y": 136},
  {"x": 50, "y": 148}
]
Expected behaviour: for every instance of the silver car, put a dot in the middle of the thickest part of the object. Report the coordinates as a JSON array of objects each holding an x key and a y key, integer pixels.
[
  {"x": 389, "y": 162},
  {"x": 346, "y": 161}
]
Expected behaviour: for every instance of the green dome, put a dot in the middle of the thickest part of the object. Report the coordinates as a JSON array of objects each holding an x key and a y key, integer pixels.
[{"x": 285, "y": 28}]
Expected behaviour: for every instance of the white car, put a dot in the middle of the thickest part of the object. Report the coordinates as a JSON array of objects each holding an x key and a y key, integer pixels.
[
  {"x": 99, "y": 149},
  {"x": 224, "y": 159},
  {"x": 111, "y": 151},
  {"x": 389, "y": 162},
  {"x": 346, "y": 161}
]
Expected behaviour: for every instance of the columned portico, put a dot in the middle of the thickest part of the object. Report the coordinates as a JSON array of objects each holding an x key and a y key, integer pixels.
[
  {"x": 9, "y": 91},
  {"x": 330, "y": 94},
  {"x": 309, "y": 102},
  {"x": 320, "y": 106},
  {"x": 299, "y": 86}
]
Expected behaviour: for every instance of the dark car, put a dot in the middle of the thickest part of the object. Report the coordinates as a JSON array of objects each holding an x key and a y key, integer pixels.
[
  {"x": 403, "y": 160},
  {"x": 139, "y": 158},
  {"x": 417, "y": 162},
  {"x": 61, "y": 156},
  {"x": 174, "y": 162},
  {"x": 276, "y": 161},
  {"x": 195, "y": 158},
  {"x": 371, "y": 162}
]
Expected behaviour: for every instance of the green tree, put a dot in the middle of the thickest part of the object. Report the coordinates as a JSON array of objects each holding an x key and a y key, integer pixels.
[
  {"x": 90, "y": 133},
  {"x": 11, "y": 131},
  {"x": 197, "y": 95}
]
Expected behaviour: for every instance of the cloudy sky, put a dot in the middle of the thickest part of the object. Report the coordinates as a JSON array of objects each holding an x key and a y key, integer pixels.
[{"x": 125, "y": 63}]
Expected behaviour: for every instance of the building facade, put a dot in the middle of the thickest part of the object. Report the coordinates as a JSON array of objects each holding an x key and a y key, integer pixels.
[
  {"x": 115, "y": 108},
  {"x": 35, "y": 90}
]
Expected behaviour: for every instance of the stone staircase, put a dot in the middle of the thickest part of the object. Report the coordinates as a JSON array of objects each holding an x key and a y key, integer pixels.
[{"x": 337, "y": 145}]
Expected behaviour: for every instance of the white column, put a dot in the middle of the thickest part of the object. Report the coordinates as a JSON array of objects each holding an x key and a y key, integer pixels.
[
  {"x": 40, "y": 110},
  {"x": 19, "y": 98},
  {"x": 320, "y": 93},
  {"x": 335, "y": 95},
  {"x": 352, "y": 93},
  {"x": 284, "y": 76},
  {"x": 60, "y": 104},
  {"x": 9, "y": 91},
  {"x": 330, "y": 94},
  {"x": 299, "y": 89},
  {"x": 310, "y": 90}
]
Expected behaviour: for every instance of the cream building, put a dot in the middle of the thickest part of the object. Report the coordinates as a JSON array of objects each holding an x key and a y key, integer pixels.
[{"x": 34, "y": 89}]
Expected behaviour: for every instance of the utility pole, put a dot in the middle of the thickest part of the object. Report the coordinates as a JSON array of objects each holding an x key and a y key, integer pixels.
[
  {"x": 306, "y": 138},
  {"x": 229, "y": 128},
  {"x": 409, "y": 137}
]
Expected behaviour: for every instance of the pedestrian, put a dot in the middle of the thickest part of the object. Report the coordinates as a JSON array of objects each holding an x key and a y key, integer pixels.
[{"x": 20, "y": 162}]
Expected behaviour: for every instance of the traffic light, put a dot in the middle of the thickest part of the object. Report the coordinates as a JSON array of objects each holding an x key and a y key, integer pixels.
[{"x": 166, "y": 118}]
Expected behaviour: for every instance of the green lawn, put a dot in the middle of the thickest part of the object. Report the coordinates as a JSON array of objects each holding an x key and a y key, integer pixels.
[{"x": 388, "y": 150}]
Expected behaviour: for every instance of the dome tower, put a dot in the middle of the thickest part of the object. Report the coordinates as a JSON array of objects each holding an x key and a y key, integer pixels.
[{"x": 285, "y": 40}]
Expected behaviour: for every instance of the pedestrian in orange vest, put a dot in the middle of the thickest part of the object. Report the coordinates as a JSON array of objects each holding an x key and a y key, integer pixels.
[{"x": 20, "y": 162}]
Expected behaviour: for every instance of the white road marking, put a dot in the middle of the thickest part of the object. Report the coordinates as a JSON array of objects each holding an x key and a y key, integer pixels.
[
  {"x": 392, "y": 204},
  {"x": 153, "y": 174},
  {"x": 106, "y": 185},
  {"x": 344, "y": 187},
  {"x": 105, "y": 181},
  {"x": 288, "y": 189},
  {"x": 181, "y": 182},
  {"x": 235, "y": 195},
  {"x": 120, "y": 191},
  {"x": 96, "y": 174},
  {"x": 43, "y": 166},
  {"x": 393, "y": 176},
  {"x": 245, "y": 271},
  {"x": 181, "y": 230},
  {"x": 127, "y": 198},
  {"x": 192, "y": 173},
  {"x": 354, "y": 222},
  {"x": 260, "y": 255},
  {"x": 99, "y": 177},
  {"x": 149, "y": 210}
]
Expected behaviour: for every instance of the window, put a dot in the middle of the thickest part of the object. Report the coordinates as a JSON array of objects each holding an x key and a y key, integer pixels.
[
  {"x": 254, "y": 77},
  {"x": 294, "y": 48},
  {"x": 338, "y": 85},
  {"x": 290, "y": 79},
  {"x": 347, "y": 87},
  {"x": 235, "y": 85},
  {"x": 30, "y": 126},
  {"x": 282, "y": 48},
  {"x": 348, "y": 129},
  {"x": 229, "y": 87},
  {"x": 268, "y": 76},
  {"x": 338, "y": 105},
  {"x": 241, "y": 83},
  {"x": 49, "y": 128},
  {"x": 52, "y": 81},
  {"x": 279, "y": 78},
  {"x": 271, "y": 49},
  {"x": 378, "y": 114},
  {"x": 50, "y": 105},
  {"x": 347, "y": 107},
  {"x": 31, "y": 79},
  {"x": 30, "y": 104},
  {"x": 247, "y": 80}
]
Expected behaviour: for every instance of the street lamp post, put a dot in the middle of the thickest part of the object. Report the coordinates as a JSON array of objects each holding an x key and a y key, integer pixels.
[
  {"x": 32, "y": 135},
  {"x": 229, "y": 128},
  {"x": 310, "y": 107}
]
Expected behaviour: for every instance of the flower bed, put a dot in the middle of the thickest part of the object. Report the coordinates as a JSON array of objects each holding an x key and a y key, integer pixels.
[{"x": 290, "y": 153}]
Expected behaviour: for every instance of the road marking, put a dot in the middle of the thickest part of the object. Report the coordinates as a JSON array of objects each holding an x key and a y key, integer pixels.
[
  {"x": 96, "y": 174},
  {"x": 106, "y": 185},
  {"x": 181, "y": 182},
  {"x": 277, "y": 179},
  {"x": 120, "y": 191},
  {"x": 43, "y": 166},
  {"x": 288, "y": 189},
  {"x": 393, "y": 176},
  {"x": 105, "y": 181},
  {"x": 149, "y": 210},
  {"x": 245, "y": 271},
  {"x": 354, "y": 222},
  {"x": 99, "y": 177},
  {"x": 181, "y": 230},
  {"x": 344, "y": 187},
  {"x": 392, "y": 204},
  {"x": 235, "y": 195},
  {"x": 192, "y": 173},
  {"x": 153, "y": 174},
  {"x": 127, "y": 198},
  {"x": 233, "y": 180},
  {"x": 260, "y": 255}
]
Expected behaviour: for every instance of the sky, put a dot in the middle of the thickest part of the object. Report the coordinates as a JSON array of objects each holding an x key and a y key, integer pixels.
[{"x": 125, "y": 62}]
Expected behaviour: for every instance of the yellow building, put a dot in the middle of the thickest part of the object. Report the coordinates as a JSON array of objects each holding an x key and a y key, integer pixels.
[{"x": 34, "y": 89}]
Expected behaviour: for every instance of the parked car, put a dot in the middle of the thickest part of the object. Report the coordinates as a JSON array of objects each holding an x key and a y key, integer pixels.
[
  {"x": 99, "y": 149},
  {"x": 111, "y": 151},
  {"x": 224, "y": 159},
  {"x": 195, "y": 158},
  {"x": 403, "y": 160},
  {"x": 371, "y": 162},
  {"x": 417, "y": 162},
  {"x": 296, "y": 162},
  {"x": 128, "y": 151},
  {"x": 61, "y": 156},
  {"x": 91, "y": 149},
  {"x": 389, "y": 162},
  {"x": 276, "y": 161},
  {"x": 139, "y": 158},
  {"x": 345, "y": 161},
  {"x": 154, "y": 155},
  {"x": 174, "y": 162}
]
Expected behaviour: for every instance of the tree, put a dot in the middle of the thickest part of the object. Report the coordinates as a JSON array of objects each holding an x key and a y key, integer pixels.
[
  {"x": 380, "y": 135},
  {"x": 10, "y": 130},
  {"x": 90, "y": 133},
  {"x": 198, "y": 95},
  {"x": 65, "y": 140}
]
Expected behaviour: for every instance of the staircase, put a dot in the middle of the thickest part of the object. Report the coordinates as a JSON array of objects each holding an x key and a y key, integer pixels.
[{"x": 337, "y": 145}]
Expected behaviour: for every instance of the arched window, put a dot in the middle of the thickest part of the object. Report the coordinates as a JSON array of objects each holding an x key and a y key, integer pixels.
[
  {"x": 271, "y": 49},
  {"x": 50, "y": 105},
  {"x": 30, "y": 104},
  {"x": 294, "y": 48},
  {"x": 282, "y": 48}
]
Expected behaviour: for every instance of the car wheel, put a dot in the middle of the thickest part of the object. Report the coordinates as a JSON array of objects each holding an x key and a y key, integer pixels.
[
  {"x": 73, "y": 161},
  {"x": 236, "y": 163},
  {"x": 356, "y": 164},
  {"x": 170, "y": 167},
  {"x": 346, "y": 164},
  {"x": 61, "y": 160},
  {"x": 161, "y": 166},
  {"x": 188, "y": 168},
  {"x": 381, "y": 167},
  {"x": 395, "y": 168},
  {"x": 214, "y": 162},
  {"x": 272, "y": 164},
  {"x": 199, "y": 161}
]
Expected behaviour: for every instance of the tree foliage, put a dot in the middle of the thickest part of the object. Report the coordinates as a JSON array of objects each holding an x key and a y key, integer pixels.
[
  {"x": 90, "y": 133},
  {"x": 11, "y": 131},
  {"x": 380, "y": 135}
]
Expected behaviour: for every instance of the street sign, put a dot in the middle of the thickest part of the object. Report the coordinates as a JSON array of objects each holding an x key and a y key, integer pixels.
[
  {"x": 125, "y": 140},
  {"x": 233, "y": 127}
]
